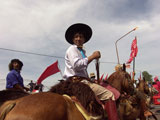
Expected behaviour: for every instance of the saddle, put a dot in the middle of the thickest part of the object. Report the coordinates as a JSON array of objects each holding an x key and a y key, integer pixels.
[
  {"x": 81, "y": 109},
  {"x": 113, "y": 90},
  {"x": 78, "y": 79}
]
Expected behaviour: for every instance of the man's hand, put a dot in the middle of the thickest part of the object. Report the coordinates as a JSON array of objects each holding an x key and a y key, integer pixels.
[{"x": 95, "y": 55}]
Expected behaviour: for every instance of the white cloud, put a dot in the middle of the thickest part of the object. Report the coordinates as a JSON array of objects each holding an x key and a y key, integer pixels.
[{"x": 39, "y": 26}]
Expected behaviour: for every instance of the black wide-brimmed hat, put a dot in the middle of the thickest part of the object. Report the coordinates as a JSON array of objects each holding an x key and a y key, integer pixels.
[{"x": 78, "y": 28}]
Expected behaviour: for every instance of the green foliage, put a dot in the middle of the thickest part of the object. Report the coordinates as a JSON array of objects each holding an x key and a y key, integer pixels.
[{"x": 147, "y": 76}]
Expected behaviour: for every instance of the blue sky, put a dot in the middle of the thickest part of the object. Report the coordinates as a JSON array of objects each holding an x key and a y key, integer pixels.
[{"x": 39, "y": 26}]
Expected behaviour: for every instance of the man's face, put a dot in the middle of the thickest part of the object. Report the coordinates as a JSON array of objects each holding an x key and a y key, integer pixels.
[
  {"x": 78, "y": 39},
  {"x": 16, "y": 66}
]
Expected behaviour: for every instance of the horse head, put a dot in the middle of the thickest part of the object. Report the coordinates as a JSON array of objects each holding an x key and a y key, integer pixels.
[
  {"x": 127, "y": 83},
  {"x": 121, "y": 80},
  {"x": 143, "y": 86}
]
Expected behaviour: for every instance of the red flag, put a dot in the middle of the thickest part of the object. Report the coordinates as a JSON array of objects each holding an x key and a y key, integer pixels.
[
  {"x": 101, "y": 78},
  {"x": 106, "y": 77},
  {"x": 50, "y": 70},
  {"x": 134, "y": 50}
]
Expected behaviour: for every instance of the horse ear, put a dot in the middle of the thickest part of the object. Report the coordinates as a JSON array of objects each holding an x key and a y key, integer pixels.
[
  {"x": 124, "y": 67},
  {"x": 144, "y": 79}
]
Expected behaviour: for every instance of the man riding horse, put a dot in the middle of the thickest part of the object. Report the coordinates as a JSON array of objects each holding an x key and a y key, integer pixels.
[
  {"x": 14, "y": 80},
  {"x": 76, "y": 63}
]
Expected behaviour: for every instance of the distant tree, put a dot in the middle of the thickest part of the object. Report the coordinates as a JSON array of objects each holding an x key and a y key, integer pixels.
[{"x": 147, "y": 76}]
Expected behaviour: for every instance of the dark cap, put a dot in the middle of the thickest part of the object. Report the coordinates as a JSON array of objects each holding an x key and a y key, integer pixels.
[{"x": 18, "y": 61}]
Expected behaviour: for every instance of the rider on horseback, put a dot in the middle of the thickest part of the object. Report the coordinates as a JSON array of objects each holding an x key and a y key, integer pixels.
[
  {"x": 139, "y": 93},
  {"x": 76, "y": 63},
  {"x": 14, "y": 80}
]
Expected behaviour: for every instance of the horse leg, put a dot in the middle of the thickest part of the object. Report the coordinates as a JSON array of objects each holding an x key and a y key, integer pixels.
[{"x": 121, "y": 112}]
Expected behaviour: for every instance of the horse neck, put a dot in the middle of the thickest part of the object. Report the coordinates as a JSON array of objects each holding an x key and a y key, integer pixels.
[
  {"x": 125, "y": 85},
  {"x": 116, "y": 84},
  {"x": 120, "y": 81},
  {"x": 145, "y": 88},
  {"x": 141, "y": 86}
]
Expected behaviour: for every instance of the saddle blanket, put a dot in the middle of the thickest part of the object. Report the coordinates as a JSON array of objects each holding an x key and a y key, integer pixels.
[{"x": 113, "y": 90}]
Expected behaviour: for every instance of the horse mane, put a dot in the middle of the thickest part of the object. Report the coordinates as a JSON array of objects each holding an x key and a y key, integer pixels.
[
  {"x": 143, "y": 87},
  {"x": 82, "y": 92},
  {"x": 118, "y": 75},
  {"x": 6, "y": 95}
]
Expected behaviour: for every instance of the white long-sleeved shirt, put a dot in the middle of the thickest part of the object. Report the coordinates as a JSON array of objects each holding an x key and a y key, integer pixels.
[{"x": 75, "y": 64}]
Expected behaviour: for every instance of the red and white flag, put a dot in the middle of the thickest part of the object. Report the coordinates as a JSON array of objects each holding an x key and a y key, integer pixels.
[
  {"x": 50, "y": 70},
  {"x": 134, "y": 51}
]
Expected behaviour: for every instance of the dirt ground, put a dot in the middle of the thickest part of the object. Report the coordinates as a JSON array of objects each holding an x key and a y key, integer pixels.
[{"x": 156, "y": 110}]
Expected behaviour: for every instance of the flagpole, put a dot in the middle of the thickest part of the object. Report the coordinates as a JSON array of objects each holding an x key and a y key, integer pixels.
[
  {"x": 120, "y": 39},
  {"x": 60, "y": 71},
  {"x": 133, "y": 68}
]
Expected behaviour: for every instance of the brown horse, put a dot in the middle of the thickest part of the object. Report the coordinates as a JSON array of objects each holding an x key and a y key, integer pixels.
[
  {"x": 51, "y": 106},
  {"x": 41, "y": 106},
  {"x": 82, "y": 92},
  {"x": 121, "y": 80},
  {"x": 143, "y": 86},
  {"x": 36, "y": 107},
  {"x": 143, "y": 89},
  {"x": 129, "y": 103},
  {"x": 131, "y": 106},
  {"x": 6, "y": 95}
]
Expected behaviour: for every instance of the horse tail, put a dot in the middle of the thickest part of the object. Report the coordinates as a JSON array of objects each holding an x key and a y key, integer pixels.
[{"x": 6, "y": 108}]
